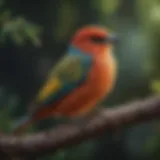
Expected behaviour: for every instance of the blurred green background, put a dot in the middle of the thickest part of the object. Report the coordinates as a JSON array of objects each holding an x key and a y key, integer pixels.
[{"x": 34, "y": 34}]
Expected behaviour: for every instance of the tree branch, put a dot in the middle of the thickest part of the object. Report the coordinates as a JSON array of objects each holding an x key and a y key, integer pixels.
[{"x": 66, "y": 135}]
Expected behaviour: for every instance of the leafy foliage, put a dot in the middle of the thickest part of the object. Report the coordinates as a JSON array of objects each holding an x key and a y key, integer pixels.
[{"x": 18, "y": 29}]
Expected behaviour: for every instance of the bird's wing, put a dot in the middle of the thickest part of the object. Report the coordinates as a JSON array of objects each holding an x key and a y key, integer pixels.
[{"x": 66, "y": 75}]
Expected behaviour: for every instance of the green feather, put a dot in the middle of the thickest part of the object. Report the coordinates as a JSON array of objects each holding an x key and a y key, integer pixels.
[{"x": 71, "y": 71}]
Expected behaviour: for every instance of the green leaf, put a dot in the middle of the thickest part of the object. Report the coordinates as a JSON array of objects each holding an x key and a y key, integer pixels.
[
  {"x": 5, "y": 121},
  {"x": 155, "y": 86}
]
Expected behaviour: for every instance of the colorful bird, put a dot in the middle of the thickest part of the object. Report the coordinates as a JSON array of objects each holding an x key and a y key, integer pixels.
[{"x": 79, "y": 80}]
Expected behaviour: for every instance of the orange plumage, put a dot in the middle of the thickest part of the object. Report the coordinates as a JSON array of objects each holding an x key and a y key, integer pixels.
[
  {"x": 95, "y": 42},
  {"x": 100, "y": 79}
]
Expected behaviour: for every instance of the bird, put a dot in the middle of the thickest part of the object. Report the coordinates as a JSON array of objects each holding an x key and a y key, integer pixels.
[{"x": 81, "y": 79}]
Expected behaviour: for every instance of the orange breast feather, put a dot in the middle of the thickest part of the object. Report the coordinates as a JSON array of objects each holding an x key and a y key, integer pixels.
[{"x": 99, "y": 83}]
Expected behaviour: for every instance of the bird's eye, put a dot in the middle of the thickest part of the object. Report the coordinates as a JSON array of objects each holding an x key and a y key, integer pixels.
[{"x": 97, "y": 39}]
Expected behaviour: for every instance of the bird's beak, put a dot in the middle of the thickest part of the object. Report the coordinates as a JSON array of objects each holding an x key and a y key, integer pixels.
[{"x": 112, "y": 39}]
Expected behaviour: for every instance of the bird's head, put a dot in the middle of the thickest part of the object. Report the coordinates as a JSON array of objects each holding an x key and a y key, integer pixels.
[{"x": 93, "y": 39}]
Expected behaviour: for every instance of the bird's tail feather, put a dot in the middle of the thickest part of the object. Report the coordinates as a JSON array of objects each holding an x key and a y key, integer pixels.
[{"x": 21, "y": 125}]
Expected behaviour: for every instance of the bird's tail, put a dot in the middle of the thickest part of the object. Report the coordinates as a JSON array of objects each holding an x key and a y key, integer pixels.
[{"x": 21, "y": 125}]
